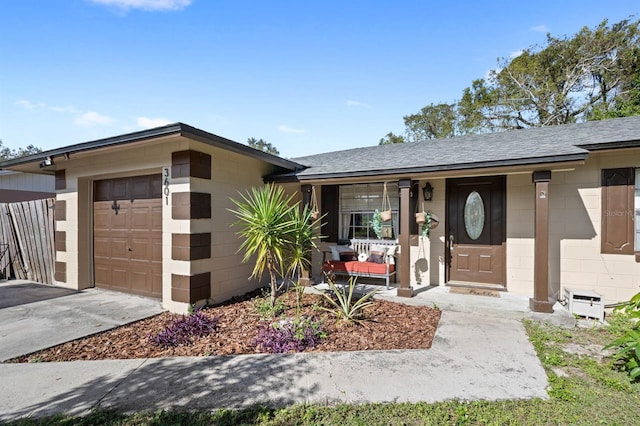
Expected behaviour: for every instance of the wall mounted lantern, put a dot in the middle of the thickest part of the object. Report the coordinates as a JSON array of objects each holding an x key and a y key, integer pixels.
[{"x": 427, "y": 192}]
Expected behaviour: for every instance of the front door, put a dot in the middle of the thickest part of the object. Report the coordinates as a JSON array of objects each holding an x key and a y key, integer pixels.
[{"x": 476, "y": 240}]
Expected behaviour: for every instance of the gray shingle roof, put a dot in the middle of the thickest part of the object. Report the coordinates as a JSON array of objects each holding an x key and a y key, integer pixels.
[{"x": 514, "y": 147}]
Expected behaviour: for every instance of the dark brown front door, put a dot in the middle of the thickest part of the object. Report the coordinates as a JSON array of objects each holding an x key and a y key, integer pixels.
[
  {"x": 476, "y": 218},
  {"x": 127, "y": 235}
]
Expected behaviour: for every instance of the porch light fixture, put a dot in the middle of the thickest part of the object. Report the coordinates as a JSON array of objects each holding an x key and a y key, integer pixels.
[{"x": 427, "y": 192}]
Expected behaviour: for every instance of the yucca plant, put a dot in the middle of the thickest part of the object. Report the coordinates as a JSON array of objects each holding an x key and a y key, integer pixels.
[
  {"x": 265, "y": 218},
  {"x": 303, "y": 241},
  {"x": 278, "y": 233},
  {"x": 345, "y": 305}
]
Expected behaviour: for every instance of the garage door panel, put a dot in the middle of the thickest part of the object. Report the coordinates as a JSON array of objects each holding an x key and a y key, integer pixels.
[
  {"x": 119, "y": 189},
  {"x": 121, "y": 220},
  {"x": 101, "y": 247},
  {"x": 141, "y": 249},
  {"x": 119, "y": 249},
  {"x": 128, "y": 245},
  {"x": 157, "y": 250},
  {"x": 101, "y": 219},
  {"x": 102, "y": 273}
]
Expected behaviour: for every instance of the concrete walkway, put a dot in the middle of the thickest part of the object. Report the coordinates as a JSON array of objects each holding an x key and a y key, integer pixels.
[
  {"x": 477, "y": 354},
  {"x": 472, "y": 358},
  {"x": 38, "y": 316}
]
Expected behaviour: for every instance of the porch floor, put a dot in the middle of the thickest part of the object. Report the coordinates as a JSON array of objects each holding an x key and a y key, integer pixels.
[{"x": 508, "y": 305}]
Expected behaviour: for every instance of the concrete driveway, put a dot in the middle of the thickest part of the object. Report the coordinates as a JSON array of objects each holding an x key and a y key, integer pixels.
[{"x": 36, "y": 316}]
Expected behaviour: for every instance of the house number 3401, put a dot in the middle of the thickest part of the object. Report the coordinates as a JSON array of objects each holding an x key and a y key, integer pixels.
[{"x": 166, "y": 175}]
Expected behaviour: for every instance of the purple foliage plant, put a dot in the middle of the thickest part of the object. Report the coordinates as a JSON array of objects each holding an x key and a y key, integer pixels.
[
  {"x": 184, "y": 330},
  {"x": 289, "y": 335}
]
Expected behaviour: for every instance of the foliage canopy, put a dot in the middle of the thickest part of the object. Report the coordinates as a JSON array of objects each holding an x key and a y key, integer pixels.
[
  {"x": 595, "y": 74},
  {"x": 262, "y": 145}
]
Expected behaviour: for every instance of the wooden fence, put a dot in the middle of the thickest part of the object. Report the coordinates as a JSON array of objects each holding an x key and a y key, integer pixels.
[{"x": 27, "y": 249}]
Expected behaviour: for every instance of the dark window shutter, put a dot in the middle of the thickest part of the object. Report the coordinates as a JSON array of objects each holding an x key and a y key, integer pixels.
[
  {"x": 330, "y": 201},
  {"x": 617, "y": 210}
]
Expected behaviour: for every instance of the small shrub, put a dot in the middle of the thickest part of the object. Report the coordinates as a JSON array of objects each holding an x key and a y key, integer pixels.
[
  {"x": 266, "y": 309},
  {"x": 289, "y": 335},
  {"x": 185, "y": 329},
  {"x": 345, "y": 305},
  {"x": 628, "y": 345}
]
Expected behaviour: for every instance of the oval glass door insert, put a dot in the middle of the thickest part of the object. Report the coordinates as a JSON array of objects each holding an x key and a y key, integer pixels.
[{"x": 474, "y": 215}]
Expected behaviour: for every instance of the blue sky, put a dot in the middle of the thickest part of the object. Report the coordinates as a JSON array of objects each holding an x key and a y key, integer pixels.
[{"x": 308, "y": 76}]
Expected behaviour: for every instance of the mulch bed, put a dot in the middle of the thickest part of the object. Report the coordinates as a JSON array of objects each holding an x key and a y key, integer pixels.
[{"x": 385, "y": 325}]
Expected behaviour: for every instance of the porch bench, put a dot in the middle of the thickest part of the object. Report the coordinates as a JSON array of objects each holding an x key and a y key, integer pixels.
[{"x": 364, "y": 267}]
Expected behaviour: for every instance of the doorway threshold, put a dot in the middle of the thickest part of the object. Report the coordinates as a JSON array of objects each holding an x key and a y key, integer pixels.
[{"x": 479, "y": 286}]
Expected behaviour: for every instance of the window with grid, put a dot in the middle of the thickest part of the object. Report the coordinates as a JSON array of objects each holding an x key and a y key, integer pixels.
[{"x": 358, "y": 203}]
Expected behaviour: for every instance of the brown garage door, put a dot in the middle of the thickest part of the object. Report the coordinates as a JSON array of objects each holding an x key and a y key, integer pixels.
[{"x": 127, "y": 234}]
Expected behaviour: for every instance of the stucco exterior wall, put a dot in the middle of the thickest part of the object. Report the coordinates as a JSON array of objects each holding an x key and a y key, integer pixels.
[
  {"x": 575, "y": 258},
  {"x": 80, "y": 172},
  {"x": 427, "y": 253},
  {"x": 230, "y": 173},
  {"x": 577, "y": 230}
]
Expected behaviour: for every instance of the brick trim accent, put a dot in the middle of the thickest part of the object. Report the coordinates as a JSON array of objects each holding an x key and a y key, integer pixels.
[
  {"x": 191, "y": 246},
  {"x": 60, "y": 274},
  {"x": 60, "y": 239},
  {"x": 190, "y": 164},
  {"x": 61, "y": 179},
  {"x": 190, "y": 288},
  {"x": 60, "y": 210},
  {"x": 191, "y": 205}
]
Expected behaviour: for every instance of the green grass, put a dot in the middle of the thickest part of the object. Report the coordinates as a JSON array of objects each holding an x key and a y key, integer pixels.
[{"x": 584, "y": 389}]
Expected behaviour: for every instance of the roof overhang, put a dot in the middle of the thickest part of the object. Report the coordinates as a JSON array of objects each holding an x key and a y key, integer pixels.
[
  {"x": 32, "y": 163},
  {"x": 502, "y": 166}
]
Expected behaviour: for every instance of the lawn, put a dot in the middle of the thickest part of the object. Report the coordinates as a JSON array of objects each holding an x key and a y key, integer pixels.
[{"x": 584, "y": 389}]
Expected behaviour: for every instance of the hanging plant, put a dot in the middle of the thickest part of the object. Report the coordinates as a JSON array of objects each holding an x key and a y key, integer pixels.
[
  {"x": 426, "y": 225},
  {"x": 376, "y": 224}
]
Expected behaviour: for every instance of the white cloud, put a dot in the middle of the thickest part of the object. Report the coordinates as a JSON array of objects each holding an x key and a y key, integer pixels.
[
  {"x": 540, "y": 28},
  {"x": 516, "y": 53},
  {"x": 92, "y": 118},
  {"x": 287, "y": 129},
  {"x": 150, "y": 123},
  {"x": 150, "y": 5},
  {"x": 29, "y": 105},
  {"x": 352, "y": 103}
]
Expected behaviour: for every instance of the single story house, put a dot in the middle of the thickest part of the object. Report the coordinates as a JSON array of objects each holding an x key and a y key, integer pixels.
[{"x": 527, "y": 211}]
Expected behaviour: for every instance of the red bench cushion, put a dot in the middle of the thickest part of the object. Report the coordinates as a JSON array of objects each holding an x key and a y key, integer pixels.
[{"x": 357, "y": 267}]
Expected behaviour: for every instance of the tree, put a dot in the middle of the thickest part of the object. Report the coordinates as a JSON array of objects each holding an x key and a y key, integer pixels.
[
  {"x": 625, "y": 105},
  {"x": 433, "y": 121},
  {"x": 593, "y": 74},
  {"x": 7, "y": 153},
  {"x": 390, "y": 139},
  {"x": 262, "y": 145},
  {"x": 275, "y": 232}
]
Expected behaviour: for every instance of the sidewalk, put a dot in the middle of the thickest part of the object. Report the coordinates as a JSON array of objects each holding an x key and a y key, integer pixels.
[{"x": 474, "y": 357}]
